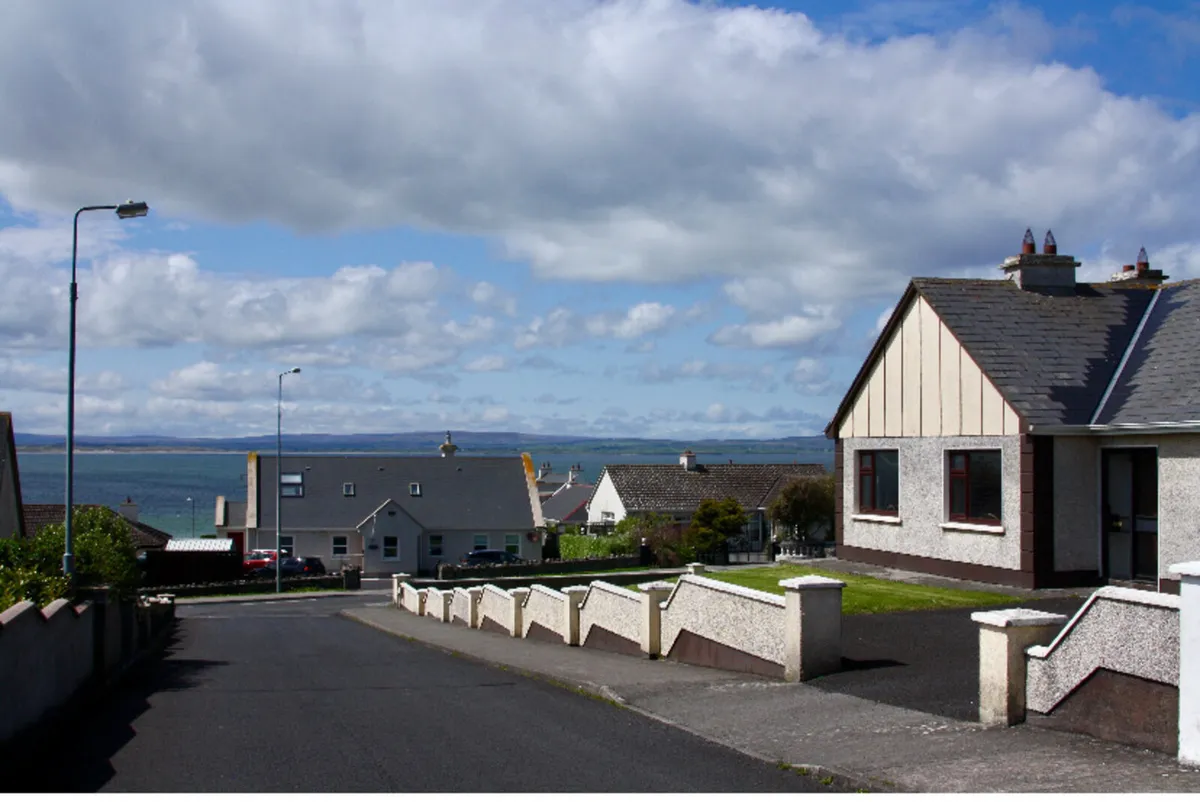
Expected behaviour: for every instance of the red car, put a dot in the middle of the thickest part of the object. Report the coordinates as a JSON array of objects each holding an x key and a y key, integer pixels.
[{"x": 257, "y": 559}]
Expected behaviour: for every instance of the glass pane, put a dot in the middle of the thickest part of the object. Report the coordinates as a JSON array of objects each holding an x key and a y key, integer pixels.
[
  {"x": 958, "y": 498},
  {"x": 481, "y": 541},
  {"x": 866, "y": 460},
  {"x": 864, "y": 494},
  {"x": 985, "y": 486},
  {"x": 887, "y": 480},
  {"x": 958, "y": 462}
]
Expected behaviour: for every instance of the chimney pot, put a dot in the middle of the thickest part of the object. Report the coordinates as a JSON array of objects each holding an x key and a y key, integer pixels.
[
  {"x": 1143, "y": 261},
  {"x": 1028, "y": 245},
  {"x": 1049, "y": 246}
]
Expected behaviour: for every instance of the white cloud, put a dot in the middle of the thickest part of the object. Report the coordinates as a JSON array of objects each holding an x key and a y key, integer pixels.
[
  {"x": 786, "y": 332},
  {"x": 487, "y": 364},
  {"x": 560, "y": 326},
  {"x": 827, "y": 165},
  {"x": 490, "y": 296}
]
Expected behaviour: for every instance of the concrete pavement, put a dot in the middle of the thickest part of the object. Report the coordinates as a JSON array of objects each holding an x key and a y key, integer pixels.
[{"x": 864, "y": 743}]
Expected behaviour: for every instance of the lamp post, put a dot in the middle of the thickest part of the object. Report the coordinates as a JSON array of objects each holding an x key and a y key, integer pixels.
[
  {"x": 279, "y": 482},
  {"x": 124, "y": 211},
  {"x": 189, "y": 498}
]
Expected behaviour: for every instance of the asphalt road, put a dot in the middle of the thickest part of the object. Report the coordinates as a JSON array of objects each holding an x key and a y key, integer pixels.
[{"x": 286, "y": 696}]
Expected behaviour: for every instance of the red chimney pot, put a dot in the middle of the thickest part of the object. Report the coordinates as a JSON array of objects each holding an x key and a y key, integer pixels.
[
  {"x": 1028, "y": 245},
  {"x": 1049, "y": 246}
]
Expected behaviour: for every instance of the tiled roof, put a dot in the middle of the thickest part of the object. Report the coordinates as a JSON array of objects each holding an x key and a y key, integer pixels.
[
  {"x": 671, "y": 488},
  {"x": 37, "y": 516},
  {"x": 1050, "y": 356},
  {"x": 566, "y": 502}
]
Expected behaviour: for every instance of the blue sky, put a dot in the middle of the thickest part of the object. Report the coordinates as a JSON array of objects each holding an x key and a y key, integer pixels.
[{"x": 650, "y": 218}]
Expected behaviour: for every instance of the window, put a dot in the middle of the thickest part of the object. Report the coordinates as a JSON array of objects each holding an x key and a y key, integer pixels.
[
  {"x": 512, "y": 544},
  {"x": 347, "y": 489},
  {"x": 435, "y": 545},
  {"x": 481, "y": 542},
  {"x": 608, "y": 517},
  {"x": 391, "y": 547},
  {"x": 879, "y": 482},
  {"x": 974, "y": 488},
  {"x": 339, "y": 546},
  {"x": 291, "y": 485},
  {"x": 414, "y": 488},
  {"x": 287, "y": 545}
]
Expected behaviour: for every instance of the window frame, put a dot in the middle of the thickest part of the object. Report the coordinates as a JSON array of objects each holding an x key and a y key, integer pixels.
[
  {"x": 486, "y": 544},
  {"x": 291, "y": 485},
  {"x": 348, "y": 489},
  {"x": 345, "y": 546},
  {"x": 866, "y": 477},
  {"x": 964, "y": 475},
  {"x": 414, "y": 489},
  {"x": 396, "y": 547},
  {"x": 437, "y": 549},
  {"x": 512, "y": 544},
  {"x": 287, "y": 545}
]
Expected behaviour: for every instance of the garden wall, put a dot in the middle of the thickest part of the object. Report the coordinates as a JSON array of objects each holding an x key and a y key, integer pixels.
[
  {"x": 447, "y": 571},
  {"x": 745, "y": 635}
]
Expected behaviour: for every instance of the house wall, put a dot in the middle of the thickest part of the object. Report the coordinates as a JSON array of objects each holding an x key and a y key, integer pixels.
[
  {"x": 605, "y": 499},
  {"x": 309, "y": 543},
  {"x": 922, "y": 528},
  {"x": 926, "y": 385},
  {"x": 456, "y": 544},
  {"x": 407, "y": 533}
]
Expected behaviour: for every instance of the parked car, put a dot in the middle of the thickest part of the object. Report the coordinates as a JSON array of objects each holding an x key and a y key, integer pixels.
[
  {"x": 256, "y": 559},
  {"x": 292, "y": 566},
  {"x": 489, "y": 557}
]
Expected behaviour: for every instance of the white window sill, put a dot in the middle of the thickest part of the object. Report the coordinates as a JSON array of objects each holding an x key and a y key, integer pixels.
[
  {"x": 975, "y": 529},
  {"x": 893, "y": 520}
]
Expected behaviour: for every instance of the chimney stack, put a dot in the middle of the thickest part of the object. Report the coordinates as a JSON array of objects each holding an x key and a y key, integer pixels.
[
  {"x": 1140, "y": 273},
  {"x": 447, "y": 448},
  {"x": 128, "y": 510},
  {"x": 573, "y": 473},
  {"x": 688, "y": 460},
  {"x": 1045, "y": 272}
]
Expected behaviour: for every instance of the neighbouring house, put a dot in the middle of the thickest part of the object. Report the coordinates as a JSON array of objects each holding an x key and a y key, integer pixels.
[
  {"x": 1031, "y": 430},
  {"x": 230, "y": 521},
  {"x": 676, "y": 490},
  {"x": 390, "y": 514},
  {"x": 144, "y": 536},
  {"x": 549, "y": 482},
  {"x": 568, "y": 505},
  {"x": 12, "y": 522}
]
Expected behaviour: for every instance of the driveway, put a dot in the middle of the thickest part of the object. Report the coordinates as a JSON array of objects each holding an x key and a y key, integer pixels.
[{"x": 287, "y": 696}]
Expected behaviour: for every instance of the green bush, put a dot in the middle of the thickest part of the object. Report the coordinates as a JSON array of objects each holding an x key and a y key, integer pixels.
[
  {"x": 104, "y": 555},
  {"x": 580, "y": 547},
  {"x": 713, "y": 523}
]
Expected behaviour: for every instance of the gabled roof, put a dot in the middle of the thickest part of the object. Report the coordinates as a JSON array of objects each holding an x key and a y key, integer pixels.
[
  {"x": 566, "y": 502},
  {"x": 672, "y": 488},
  {"x": 457, "y": 493},
  {"x": 143, "y": 535},
  {"x": 1052, "y": 357}
]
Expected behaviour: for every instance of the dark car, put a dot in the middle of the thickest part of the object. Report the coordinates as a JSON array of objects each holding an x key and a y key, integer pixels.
[
  {"x": 294, "y": 566},
  {"x": 489, "y": 557}
]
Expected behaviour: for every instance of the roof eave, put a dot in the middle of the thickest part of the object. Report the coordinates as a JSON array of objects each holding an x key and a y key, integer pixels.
[{"x": 1156, "y": 427}]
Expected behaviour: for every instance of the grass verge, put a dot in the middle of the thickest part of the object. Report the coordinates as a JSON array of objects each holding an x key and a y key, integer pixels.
[{"x": 865, "y": 594}]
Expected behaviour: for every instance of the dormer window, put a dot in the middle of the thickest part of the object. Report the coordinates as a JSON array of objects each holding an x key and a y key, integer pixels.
[
  {"x": 414, "y": 488},
  {"x": 348, "y": 489}
]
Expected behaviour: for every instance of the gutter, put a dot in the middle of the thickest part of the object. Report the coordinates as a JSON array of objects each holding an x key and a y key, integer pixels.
[
  {"x": 1116, "y": 377},
  {"x": 1160, "y": 427}
]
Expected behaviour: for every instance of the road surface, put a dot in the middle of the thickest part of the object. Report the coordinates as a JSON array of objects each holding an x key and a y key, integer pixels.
[{"x": 287, "y": 696}]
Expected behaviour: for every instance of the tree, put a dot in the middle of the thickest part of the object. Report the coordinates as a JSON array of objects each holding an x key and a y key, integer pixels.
[
  {"x": 805, "y": 506},
  {"x": 104, "y": 552},
  {"x": 713, "y": 523}
]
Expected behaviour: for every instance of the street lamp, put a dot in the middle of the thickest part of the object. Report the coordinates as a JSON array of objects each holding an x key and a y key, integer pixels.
[
  {"x": 279, "y": 482},
  {"x": 189, "y": 498},
  {"x": 124, "y": 211}
]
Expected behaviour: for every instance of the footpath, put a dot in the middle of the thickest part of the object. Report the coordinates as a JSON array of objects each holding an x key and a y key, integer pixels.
[{"x": 866, "y": 744}]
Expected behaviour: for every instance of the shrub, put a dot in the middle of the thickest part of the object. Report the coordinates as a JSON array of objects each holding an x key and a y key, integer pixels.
[
  {"x": 21, "y": 583},
  {"x": 806, "y": 506},
  {"x": 713, "y": 523},
  {"x": 580, "y": 547}
]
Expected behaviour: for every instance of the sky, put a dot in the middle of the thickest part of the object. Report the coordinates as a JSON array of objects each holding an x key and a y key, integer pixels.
[{"x": 636, "y": 218}]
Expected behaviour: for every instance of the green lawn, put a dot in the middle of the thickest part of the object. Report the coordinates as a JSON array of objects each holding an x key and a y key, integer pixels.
[{"x": 864, "y": 594}]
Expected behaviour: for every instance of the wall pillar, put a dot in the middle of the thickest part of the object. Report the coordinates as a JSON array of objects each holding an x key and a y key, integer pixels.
[
  {"x": 396, "y": 580},
  {"x": 1004, "y": 635},
  {"x": 441, "y": 608},
  {"x": 518, "y": 607},
  {"x": 1189, "y": 662},
  {"x": 812, "y": 622},
  {"x": 696, "y": 568},
  {"x": 653, "y": 595},
  {"x": 474, "y": 595},
  {"x": 575, "y": 596}
]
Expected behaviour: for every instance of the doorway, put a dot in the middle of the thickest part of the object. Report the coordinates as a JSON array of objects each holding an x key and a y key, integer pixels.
[{"x": 1129, "y": 481}]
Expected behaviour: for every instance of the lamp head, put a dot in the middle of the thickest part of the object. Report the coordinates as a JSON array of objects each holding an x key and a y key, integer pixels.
[{"x": 130, "y": 209}]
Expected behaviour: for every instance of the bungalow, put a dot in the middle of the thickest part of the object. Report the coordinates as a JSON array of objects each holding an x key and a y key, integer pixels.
[
  {"x": 568, "y": 504},
  {"x": 144, "y": 536},
  {"x": 1031, "y": 430},
  {"x": 677, "y": 490},
  {"x": 392, "y": 514},
  {"x": 11, "y": 521}
]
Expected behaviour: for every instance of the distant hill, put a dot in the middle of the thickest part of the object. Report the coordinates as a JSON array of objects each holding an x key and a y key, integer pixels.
[{"x": 422, "y": 442}]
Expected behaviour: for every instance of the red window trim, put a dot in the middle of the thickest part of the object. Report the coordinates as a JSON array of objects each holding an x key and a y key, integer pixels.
[
  {"x": 866, "y": 478},
  {"x": 965, "y": 476}
]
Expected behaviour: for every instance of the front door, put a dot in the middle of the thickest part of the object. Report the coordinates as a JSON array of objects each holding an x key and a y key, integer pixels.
[{"x": 1130, "y": 513}]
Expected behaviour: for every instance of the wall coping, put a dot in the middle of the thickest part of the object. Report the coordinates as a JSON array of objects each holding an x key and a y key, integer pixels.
[
  {"x": 501, "y": 592},
  {"x": 1190, "y": 569},
  {"x": 616, "y": 590},
  {"x": 1147, "y": 598},
  {"x": 49, "y": 611},
  {"x": 811, "y": 583},
  {"x": 545, "y": 591},
  {"x": 1017, "y": 617},
  {"x": 705, "y": 581}
]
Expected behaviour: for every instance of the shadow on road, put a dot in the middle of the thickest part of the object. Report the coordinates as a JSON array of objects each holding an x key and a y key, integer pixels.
[{"x": 73, "y": 753}]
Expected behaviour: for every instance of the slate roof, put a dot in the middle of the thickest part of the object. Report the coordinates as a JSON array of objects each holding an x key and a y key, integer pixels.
[
  {"x": 143, "y": 535},
  {"x": 567, "y": 502},
  {"x": 1053, "y": 356},
  {"x": 457, "y": 493},
  {"x": 671, "y": 488}
]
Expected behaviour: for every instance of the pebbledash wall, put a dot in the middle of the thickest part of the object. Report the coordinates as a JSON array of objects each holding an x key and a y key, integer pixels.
[{"x": 922, "y": 527}]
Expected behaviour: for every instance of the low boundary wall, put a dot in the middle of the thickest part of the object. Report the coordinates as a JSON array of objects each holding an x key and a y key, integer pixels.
[
  {"x": 610, "y": 619},
  {"x": 717, "y": 624},
  {"x": 545, "y": 615}
]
